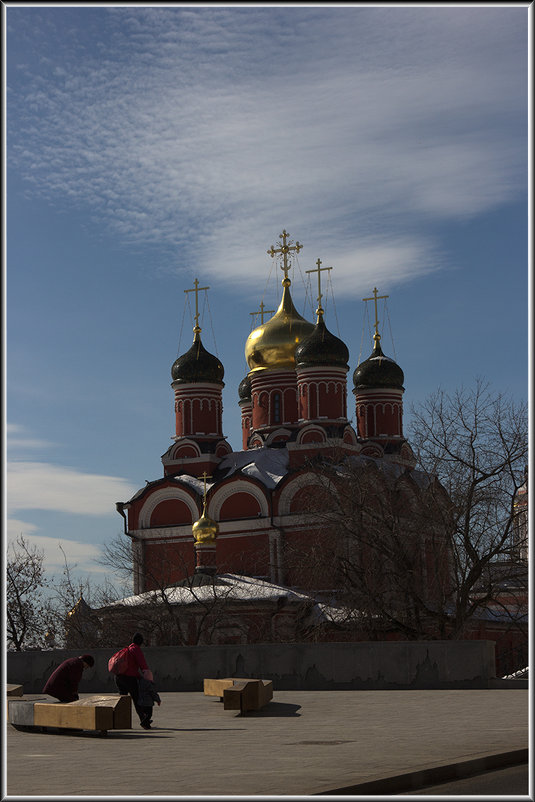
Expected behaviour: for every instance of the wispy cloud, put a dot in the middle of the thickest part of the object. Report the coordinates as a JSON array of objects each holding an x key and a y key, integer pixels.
[
  {"x": 16, "y": 527},
  {"x": 206, "y": 128},
  {"x": 20, "y": 442},
  {"x": 43, "y": 486},
  {"x": 82, "y": 555}
]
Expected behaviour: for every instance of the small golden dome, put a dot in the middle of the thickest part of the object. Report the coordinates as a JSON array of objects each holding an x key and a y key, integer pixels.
[
  {"x": 272, "y": 345},
  {"x": 205, "y": 530}
]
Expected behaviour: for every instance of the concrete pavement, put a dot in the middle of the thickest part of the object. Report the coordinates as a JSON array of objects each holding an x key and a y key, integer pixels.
[{"x": 303, "y": 743}]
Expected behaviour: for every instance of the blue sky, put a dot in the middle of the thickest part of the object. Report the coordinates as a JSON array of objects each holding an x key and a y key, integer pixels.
[{"x": 147, "y": 146}]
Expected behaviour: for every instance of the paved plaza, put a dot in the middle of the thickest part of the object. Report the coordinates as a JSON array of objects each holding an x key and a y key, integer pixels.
[{"x": 303, "y": 743}]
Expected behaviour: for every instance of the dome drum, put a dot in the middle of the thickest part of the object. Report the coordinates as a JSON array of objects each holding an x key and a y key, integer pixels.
[
  {"x": 322, "y": 394},
  {"x": 379, "y": 416},
  {"x": 274, "y": 399}
]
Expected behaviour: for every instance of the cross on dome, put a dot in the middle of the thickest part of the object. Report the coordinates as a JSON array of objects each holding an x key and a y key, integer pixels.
[
  {"x": 263, "y": 311},
  {"x": 196, "y": 289},
  {"x": 204, "y": 476},
  {"x": 318, "y": 269},
  {"x": 285, "y": 248},
  {"x": 375, "y": 298}
]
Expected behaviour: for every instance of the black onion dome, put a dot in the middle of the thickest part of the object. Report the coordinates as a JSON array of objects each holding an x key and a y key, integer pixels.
[
  {"x": 321, "y": 348},
  {"x": 378, "y": 371},
  {"x": 244, "y": 389},
  {"x": 197, "y": 365}
]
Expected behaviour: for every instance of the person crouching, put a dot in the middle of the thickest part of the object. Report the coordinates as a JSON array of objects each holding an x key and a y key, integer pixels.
[{"x": 63, "y": 682}]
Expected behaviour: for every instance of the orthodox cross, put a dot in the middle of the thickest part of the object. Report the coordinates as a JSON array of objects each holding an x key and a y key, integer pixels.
[
  {"x": 285, "y": 249},
  {"x": 263, "y": 310},
  {"x": 375, "y": 298},
  {"x": 318, "y": 269},
  {"x": 197, "y": 290},
  {"x": 204, "y": 476}
]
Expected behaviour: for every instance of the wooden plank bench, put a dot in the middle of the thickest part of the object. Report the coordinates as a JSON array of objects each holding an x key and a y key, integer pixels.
[
  {"x": 240, "y": 693},
  {"x": 98, "y": 713},
  {"x": 13, "y": 690}
]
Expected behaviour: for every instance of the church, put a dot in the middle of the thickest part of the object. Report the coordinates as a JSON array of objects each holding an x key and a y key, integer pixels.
[
  {"x": 316, "y": 529},
  {"x": 215, "y": 510}
]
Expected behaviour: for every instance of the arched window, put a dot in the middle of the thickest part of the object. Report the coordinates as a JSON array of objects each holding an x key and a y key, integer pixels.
[{"x": 277, "y": 408}]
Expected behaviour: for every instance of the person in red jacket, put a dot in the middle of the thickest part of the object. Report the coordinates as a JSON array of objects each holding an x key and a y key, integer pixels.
[
  {"x": 63, "y": 682},
  {"x": 127, "y": 682}
]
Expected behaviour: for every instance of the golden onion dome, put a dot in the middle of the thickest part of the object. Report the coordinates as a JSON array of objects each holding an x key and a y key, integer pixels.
[
  {"x": 272, "y": 345},
  {"x": 205, "y": 530}
]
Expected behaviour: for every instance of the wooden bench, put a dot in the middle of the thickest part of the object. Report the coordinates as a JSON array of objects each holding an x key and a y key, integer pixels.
[
  {"x": 13, "y": 690},
  {"x": 102, "y": 712},
  {"x": 241, "y": 694}
]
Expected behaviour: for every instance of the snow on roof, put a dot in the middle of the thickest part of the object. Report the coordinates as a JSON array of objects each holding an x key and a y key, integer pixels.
[
  {"x": 225, "y": 586},
  {"x": 234, "y": 587},
  {"x": 391, "y": 470},
  {"x": 268, "y": 465},
  {"x": 192, "y": 481}
]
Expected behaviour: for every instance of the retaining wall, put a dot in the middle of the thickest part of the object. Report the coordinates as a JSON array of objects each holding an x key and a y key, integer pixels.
[{"x": 395, "y": 665}]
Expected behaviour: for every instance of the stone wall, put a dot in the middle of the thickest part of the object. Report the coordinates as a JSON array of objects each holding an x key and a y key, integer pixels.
[{"x": 396, "y": 665}]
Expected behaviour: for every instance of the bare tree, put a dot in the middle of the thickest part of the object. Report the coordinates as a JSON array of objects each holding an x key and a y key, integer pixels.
[
  {"x": 27, "y": 610},
  {"x": 70, "y": 608},
  {"x": 476, "y": 444},
  {"x": 421, "y": 552},
  {"x": 374, "y": 549}
]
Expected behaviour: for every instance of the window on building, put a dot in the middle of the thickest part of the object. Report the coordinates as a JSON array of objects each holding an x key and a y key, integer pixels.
[{"x": 277, "y": 408}]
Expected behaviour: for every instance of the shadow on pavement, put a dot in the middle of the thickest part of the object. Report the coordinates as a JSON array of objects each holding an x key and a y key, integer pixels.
[
  {"x": 196, "y": 729},
  {"x": 274, "y": 709}
]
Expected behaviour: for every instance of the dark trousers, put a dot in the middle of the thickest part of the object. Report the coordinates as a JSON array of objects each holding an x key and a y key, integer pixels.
[
  {"x": 146, "y": 712},
  {"x": 129, "y": 685}
]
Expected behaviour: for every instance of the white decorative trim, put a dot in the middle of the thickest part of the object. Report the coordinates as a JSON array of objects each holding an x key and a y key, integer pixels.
[
  {"x": 293, "y": 486},
  {"x": 349, "y": 429},
  {"x": 226, "y": 445},
  {"x": 196, "y": 388},
  {"x": 377, "y": 393},
  {"x": 281, "y": 431},
  {"x": 245, "y": 527},
  {"x": 311, "y": 428},
  {"x": 183, "y": 441},
  {"x": 217, "y": 500},
  {"x": 164, "y": 534},
  {"x": 166, "y": 494}
]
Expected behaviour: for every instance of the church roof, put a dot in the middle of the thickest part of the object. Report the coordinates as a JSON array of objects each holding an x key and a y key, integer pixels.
[
  {"x": 268, "y": 465},
  {"x": 244, "y": 389},
  {"x": 378, "y": 371},
  {"x": 233, "y": 587},
  {"x": 202, "y": 588},
  {"x": 272, "y": 345},
  {"x": 197, "y": 365},
  {"x": 322, "y": 348}
]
